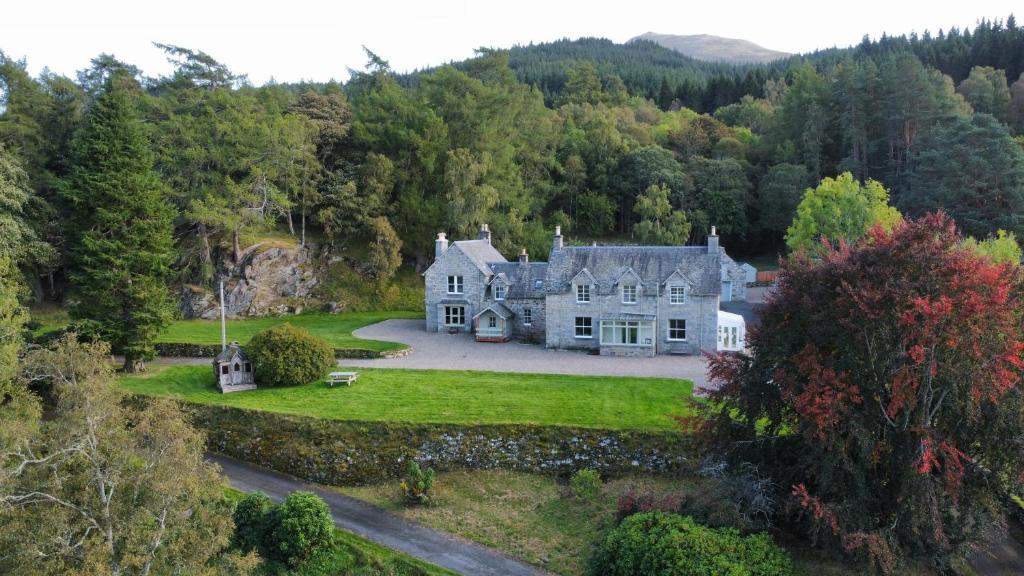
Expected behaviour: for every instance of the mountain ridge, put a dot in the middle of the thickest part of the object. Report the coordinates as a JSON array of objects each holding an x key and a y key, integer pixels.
[{"x": 711, "y": 48}]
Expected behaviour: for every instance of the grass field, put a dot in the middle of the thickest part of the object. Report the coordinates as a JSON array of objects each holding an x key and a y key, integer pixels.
[
  {"x": 447, "y": 396},
  {"x": 534, "y": 517},
  {"x": 336, "y": 329}
]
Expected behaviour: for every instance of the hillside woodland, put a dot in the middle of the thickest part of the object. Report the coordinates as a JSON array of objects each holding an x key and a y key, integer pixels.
[{"x": 362, "y": 175}]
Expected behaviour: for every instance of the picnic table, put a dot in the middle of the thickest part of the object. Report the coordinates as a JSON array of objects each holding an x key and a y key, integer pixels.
[{"x": 346, "y": 378}]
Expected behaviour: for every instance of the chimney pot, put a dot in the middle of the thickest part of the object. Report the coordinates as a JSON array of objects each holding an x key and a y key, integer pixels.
[
  {"x": 524, "y": 257},
  {"x": 485, "y": 233},
  {"x": 713, "y": 242},
  {"x": 556, "y": 243},
  {"x": 440, "y": 245}
]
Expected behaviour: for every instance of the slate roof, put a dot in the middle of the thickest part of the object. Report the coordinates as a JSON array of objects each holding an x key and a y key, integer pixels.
[
  {"x": 653, "y": 265},
  {"x": 481, "y": 253},
  {"x": 498, "y": 308},
  {"x": 523, "y": 278},
  {"x": 228, "y": 353}
]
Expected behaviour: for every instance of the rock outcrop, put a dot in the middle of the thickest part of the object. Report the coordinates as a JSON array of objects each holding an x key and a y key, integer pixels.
[{"x": 266, "y": 281}]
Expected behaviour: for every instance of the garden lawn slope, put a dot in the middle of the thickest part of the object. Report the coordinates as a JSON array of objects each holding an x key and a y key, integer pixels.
[
  {"x": 446, "y": 397},
  {"x": 336, "y": 329}
]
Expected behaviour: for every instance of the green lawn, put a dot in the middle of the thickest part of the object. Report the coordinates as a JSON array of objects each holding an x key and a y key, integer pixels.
[
  {"x": 447, "y": 396},
  {"x": 336, "y": 329}
]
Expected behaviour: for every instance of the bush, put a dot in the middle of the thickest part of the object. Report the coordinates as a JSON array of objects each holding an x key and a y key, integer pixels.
[
  {"x": 585, "y": 484},
  {"x": 660, "y": 543},
  {"x": 303, "y": 528},
  {"x": 633, "y": 502},
  {"x": 253, "y": 522},
  {"x": 286, "y": 355},
  {"x": 734, "y": 495},
  {"x": 418, "y": 484}
]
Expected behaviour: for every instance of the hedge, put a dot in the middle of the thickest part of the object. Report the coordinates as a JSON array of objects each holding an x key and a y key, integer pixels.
[
  {"x": 344, "y": 452},
  {"x": 189, "y": 350}
]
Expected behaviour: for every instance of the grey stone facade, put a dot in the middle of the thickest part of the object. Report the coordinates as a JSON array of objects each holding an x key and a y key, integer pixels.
[{"x": 674, "y": 310}]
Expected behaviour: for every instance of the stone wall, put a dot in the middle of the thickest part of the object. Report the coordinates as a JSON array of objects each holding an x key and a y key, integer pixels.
[{"x": 353, "y": 452}]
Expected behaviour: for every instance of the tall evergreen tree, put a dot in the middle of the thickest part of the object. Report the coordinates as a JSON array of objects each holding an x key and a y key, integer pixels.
[{"x": 122, "y": 256}]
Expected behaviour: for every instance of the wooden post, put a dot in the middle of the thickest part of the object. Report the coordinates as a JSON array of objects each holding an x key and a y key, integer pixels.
[{"x": 223, "y": 321}]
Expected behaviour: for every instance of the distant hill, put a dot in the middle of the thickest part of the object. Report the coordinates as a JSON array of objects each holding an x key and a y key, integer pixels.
[{"x": 715, "y": 48}]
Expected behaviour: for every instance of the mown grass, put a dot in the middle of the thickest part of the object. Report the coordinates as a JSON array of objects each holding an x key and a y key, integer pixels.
[
  {"x": 446, "y": 396},
  {"x": 336, "y": 329}
]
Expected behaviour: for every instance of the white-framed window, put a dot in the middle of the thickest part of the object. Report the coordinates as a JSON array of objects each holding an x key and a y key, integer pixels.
[
  {"x": 454, "y": 315},
  {"x": 527, "y": 316},
  {"x": 627, "y": 332},
  {"x": 499, "y": 291},
  {"x": 584, "y": 327},
  {"x": 677, "y": 295},
  {"x": 582, "y": 293},
  {"x": 455, "y": 285},
  {"x": 676, "y": 329},
  {"x": 629, "y": 293},
  {"x": 492, "y": 322}
]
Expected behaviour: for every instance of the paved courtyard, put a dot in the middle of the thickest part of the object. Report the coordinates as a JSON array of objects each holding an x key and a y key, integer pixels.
[{"x": 462, "y": 352}]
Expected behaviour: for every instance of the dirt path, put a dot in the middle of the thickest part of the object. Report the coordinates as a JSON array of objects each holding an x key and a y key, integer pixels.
[{"x": 379, "y": 526}]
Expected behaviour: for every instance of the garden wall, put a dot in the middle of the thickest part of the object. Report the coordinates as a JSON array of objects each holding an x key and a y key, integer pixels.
[{"x": 355, "y": 452}]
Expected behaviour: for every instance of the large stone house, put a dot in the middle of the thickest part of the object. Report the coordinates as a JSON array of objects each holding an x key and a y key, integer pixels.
[{"x": 616, "y": 300}]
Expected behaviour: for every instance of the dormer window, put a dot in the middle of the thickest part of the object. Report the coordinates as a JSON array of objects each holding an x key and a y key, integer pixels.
[
  {"x": 455, "y": 285},
  {"x": 629, "y": 293},
  {"x": 582, "y": 293},
  {"x": 677, "y": 295},
  {"x": 499, "y": 291}
]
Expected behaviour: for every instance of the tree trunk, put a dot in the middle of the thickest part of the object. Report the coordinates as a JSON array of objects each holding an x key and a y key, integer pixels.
[
  {"x": 291, "y": 225},
  {"x": 204, "y": 249},
  {"x": 37, "y": 289},
  {"x": 302, "y": 242},
  {"x": 236, "y": 247},
  {"x": 133, "y": 365},
  {"x": 53, "y": 290}
]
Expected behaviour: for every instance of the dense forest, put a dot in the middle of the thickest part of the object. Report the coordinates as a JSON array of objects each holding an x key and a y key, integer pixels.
[{"x": 628, "y": 142}]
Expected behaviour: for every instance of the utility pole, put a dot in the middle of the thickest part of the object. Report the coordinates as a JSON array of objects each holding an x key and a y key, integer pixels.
[{"x": 223, "y": 321}]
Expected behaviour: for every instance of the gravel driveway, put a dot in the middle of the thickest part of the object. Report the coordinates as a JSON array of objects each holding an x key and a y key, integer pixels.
[{"x": 462, "y": 352}]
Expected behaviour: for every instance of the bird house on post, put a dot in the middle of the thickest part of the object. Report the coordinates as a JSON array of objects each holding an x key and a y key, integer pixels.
[{"x": 232, "y": 369}]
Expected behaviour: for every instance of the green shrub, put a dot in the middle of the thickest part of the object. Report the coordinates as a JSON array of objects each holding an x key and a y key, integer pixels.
[
  {"x": 303, "y": 528},
  {"x": 663, "y": 543},
  {"x": 286, "y": 355},
  {"x": 253, "y": 522},
  {"x": 418, "y": 484},
  {"x": 585, "y": 484}
]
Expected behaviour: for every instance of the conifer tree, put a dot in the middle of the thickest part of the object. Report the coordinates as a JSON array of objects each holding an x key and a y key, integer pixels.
[{"x": 121, "y": 258}]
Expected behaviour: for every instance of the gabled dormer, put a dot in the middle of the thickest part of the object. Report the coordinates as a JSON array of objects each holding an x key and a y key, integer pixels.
[
  {"x": 678, "y": 286},
  {"x": 630, "y": 286},
  {"x": 499, "y": 284},
  {"x": 583, "y": 285}
]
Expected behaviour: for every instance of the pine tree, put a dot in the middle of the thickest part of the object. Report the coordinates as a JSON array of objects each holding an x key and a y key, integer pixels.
[{"x": 123, "y": 228}]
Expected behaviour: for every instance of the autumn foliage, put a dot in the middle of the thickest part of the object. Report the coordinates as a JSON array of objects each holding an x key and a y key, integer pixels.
[{"x": 883, "y": 389}]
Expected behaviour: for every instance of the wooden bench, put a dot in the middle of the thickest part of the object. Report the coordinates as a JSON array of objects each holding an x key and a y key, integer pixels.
[{"x": 346, "y": 378}]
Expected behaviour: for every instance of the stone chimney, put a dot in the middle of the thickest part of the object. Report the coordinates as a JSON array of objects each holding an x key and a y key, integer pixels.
[
  {"x": 440, "y": 245},
  {"x": 524, "y": 258},
  {"x": 556, "y": 244},
  {"x": 484, "y": 234},
  {"x": 713, "y": 242}
]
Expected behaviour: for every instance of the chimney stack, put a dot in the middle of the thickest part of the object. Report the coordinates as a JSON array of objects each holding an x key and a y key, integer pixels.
[
  {"x": 485, "y": 233},
  {"x": 524, "y": 258},
  {"x": 713, "y": 242},
  {"x": 556, "y": 244},
  {"x": 440, "y": 245}
]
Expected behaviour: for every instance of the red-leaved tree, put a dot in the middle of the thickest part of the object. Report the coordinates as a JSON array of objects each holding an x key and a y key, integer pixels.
[{"x": 882, "y": 390}]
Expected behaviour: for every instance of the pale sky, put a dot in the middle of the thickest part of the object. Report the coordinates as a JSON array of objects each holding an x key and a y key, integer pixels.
[{"x": 291, "y": 40}]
